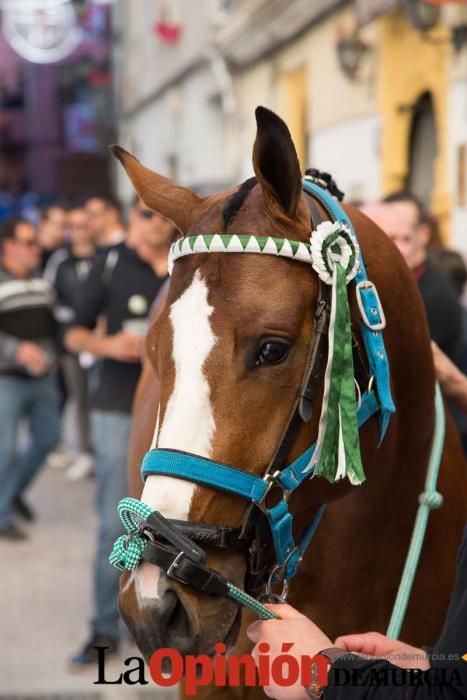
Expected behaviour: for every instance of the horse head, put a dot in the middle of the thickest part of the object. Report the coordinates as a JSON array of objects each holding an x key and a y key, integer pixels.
[{"x": 230, "y": 350}]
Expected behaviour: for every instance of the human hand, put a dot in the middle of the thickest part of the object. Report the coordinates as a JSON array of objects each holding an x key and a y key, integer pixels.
[
  {"x": 379, "y": 646},
  {"x": 294, "y": 635},
  {"x": 446, "y": 372},
  {"x": 453, "y": 381},
  {"x": 32, "y": 357},
  {"x": 124, "y": 346}
]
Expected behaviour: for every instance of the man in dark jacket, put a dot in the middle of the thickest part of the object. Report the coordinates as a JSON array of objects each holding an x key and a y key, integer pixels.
[
  {"x": 401, "y": 216},
  {"x": 67, "y": 271},
  {"x": 28, "y": 361},
  {"x": 121, "y": 287}
]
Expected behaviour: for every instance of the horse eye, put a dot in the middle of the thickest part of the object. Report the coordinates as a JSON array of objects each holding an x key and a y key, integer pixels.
[{"x": 272, "y": 352}]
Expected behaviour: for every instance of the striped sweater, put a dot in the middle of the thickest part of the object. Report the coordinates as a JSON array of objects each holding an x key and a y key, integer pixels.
[{"x": 26, "y": 313}]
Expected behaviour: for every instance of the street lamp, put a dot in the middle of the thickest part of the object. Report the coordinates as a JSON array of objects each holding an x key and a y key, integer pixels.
[
  {"x": 423, "y": 15},
  {"x": 350, "y": 50}
]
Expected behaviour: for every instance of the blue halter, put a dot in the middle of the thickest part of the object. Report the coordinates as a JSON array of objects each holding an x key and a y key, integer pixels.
[{"x": 253, "y": 488}]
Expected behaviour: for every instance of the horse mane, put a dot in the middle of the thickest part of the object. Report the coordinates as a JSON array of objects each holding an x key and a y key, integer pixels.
[{"x": 235, "y": 202}]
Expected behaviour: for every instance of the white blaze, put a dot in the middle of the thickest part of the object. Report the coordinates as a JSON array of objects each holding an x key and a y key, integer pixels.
[{"x": 188, "y": 421}]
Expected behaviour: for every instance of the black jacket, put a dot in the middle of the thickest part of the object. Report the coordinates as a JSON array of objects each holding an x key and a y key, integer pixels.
[{"x": 443, "y": 311}]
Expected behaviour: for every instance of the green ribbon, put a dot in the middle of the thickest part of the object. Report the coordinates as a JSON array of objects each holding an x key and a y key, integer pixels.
[{"x": 337, "y": 452}]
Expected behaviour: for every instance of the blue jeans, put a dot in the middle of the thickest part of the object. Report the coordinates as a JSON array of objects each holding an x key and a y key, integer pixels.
[
  {"x": 110, "y": 433},
  {"x": 36, "y": 400}
]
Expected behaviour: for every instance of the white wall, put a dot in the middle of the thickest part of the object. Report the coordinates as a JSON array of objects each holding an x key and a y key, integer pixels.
[
  {"x": 350, "y": 151},
  {"x": 181, "y": 134}
]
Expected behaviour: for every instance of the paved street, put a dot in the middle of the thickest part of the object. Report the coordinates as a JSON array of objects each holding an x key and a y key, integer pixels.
[{"x": 45, "y": 600}]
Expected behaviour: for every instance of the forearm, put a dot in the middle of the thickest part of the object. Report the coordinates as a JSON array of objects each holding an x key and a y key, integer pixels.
[
  {"x": 453, "y": 382},
  {"x": 454, "y": 385},
  {"x": 8, "y": 347},
  {"x": 80, "y": 339},
  {"x": 459, "y": 393}
]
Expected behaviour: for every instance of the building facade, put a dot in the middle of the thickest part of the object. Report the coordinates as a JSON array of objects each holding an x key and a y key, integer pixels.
[{"x": 373, "y": 91}]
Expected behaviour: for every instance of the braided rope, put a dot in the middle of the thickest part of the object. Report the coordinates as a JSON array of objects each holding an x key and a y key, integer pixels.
[
  {"x": 429, "y": 499},
  {"x": 248, "y": 602},
  {"x": 127, "y": 551}
]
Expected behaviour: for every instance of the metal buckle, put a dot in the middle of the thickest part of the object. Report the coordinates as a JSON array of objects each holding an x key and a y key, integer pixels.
[
  {"x": 273, "y": 481},
  {"x": 174, "y": 565},
  {"x": 320, "y": 309},
  {"x": 366, "y": 284},
  {"x": 359, "y": 393}
]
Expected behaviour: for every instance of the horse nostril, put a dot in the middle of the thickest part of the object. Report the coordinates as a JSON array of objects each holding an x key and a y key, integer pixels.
[{"x": 175, "y": 623}]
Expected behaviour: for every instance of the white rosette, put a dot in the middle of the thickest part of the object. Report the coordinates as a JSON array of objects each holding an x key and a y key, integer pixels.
[{"x": 321, "y": 254}]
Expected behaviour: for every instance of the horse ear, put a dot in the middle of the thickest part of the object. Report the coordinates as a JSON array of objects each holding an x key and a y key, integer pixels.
[
  {"x": 158, "y": 192},
  {"x": 276, "y": 163}
]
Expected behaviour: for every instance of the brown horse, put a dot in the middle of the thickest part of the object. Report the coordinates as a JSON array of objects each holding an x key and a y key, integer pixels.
[{"x": 218, "y": 401}]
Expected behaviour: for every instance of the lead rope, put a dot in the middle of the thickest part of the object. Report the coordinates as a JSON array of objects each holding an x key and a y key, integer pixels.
[
  {"x": 428, "y": 500},
  {"x": 127, "y": 551}
]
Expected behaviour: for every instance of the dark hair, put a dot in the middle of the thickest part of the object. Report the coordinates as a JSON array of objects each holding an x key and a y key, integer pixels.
[
  {"x": 110, "y": 202},
  {"x": 452, "y": 264},
  {"x": 8, "y": 228},
  {"x": 404, "y": 196},
  {"x": 77, "y": 202},
  {"x": 234, "y": 203},
  {"x": 431, "y": 221},
  {"x": 45, "y": 211}
]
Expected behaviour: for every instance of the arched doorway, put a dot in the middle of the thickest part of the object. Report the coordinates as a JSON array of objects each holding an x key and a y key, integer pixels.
[{"x": 423, "y": 150}]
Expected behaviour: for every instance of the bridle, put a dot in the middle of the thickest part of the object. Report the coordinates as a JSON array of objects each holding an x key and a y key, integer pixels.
[{"x": 177, "y": 547}]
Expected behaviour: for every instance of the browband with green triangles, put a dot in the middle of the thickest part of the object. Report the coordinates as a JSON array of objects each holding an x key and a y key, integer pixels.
[{"x": 238, "y": 243}]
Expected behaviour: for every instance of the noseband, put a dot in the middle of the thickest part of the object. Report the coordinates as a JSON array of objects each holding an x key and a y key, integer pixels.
[{"x": 177, "y": 547}]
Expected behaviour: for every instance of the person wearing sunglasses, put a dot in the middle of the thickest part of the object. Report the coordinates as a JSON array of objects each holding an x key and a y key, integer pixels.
[
  {"x": 150, "y": 234},
  {"x": 28, "y": 358}
]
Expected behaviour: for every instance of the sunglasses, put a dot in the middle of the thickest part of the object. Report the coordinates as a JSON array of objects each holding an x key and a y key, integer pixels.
[
  {"x": 146, "y": 213},
  {"x": 28, "y": 243}
]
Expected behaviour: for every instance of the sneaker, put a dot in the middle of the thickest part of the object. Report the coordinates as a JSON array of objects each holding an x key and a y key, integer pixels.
[
  {"x": 61, "y": 458},
  {"x": 88, "y": 654},
  {"x": 12, "y": 533},
  {"x": 82, "y": 467},
  {"x": 24, "y": 510}
]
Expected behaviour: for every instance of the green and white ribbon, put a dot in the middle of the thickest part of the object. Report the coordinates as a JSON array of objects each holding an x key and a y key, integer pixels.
[
  {"x": 239, "y": 243},
  {"x": 335, "y": 253}
]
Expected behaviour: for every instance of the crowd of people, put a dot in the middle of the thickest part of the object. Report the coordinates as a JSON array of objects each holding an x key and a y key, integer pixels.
[{"x": 76, "y": 293}]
